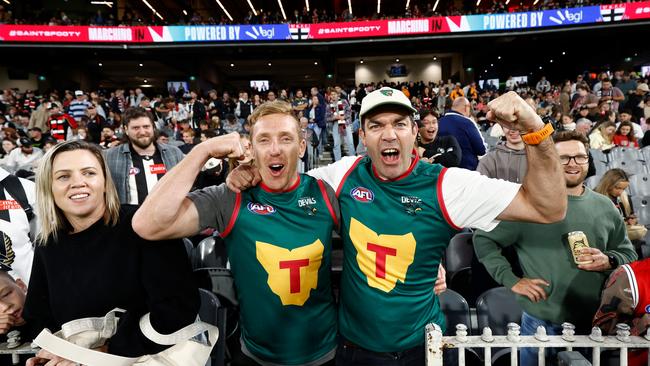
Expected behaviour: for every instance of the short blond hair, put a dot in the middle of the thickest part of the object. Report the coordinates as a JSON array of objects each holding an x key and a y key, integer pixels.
[
  {"x": 51, "y": 218},
  {"x": 275, "y": 107}
]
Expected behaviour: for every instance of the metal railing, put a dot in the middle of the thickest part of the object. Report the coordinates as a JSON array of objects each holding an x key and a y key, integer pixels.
[{"x": 435, "y": 343}]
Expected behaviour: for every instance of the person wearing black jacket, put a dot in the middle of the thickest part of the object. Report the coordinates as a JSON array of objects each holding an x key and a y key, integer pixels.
[
  {"x": 95, "y": 124},
  {"x": 244, "y": 107},
  {"x": 90, "y": 261},
  {"x": 443, "y": 150},
  {"x": 196, "y": 110}
]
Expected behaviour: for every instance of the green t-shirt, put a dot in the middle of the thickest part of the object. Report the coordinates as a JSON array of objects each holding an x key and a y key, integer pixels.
[{"x": 573, "y": 294}]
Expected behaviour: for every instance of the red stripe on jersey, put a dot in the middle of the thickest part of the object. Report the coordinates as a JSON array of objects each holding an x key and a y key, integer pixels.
[
  {"x": 345, "y": 177},
  {"x": 323, "y": 191},
  {"x": 441, "y": 201},
  {"x": 233, "y": 217}
]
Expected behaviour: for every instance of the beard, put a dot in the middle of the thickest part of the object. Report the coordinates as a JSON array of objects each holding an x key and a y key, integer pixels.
[
  {"x": 142, "y": 142},
  {"x": 572, "y": 183}
]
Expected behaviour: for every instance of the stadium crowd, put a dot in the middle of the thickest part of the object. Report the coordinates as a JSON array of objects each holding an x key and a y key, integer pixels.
[
  {"x": 611, "y": 111},
  {"x": 144, "y": 142},
  {"x": 417, "y": 9}
]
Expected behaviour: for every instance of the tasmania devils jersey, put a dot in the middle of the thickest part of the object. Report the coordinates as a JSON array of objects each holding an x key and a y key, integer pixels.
[
  {"x": 391, "y": 260},
  {"x": 279, "y": 246}
]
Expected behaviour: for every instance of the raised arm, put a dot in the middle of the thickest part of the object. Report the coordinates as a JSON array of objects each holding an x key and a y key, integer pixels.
[
  {"x": 542, "y": 198},
  {"x": 167, "y": 212}
]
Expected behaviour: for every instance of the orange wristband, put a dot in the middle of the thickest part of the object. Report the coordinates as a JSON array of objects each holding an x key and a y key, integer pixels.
[{"x": 534, "y": 138}]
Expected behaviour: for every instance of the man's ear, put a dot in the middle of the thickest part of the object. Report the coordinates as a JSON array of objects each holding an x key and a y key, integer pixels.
[
  {"x": 21, "y": 284},
  {"x": 302, "y": 148},
  {"x": 362, "y": 136}
]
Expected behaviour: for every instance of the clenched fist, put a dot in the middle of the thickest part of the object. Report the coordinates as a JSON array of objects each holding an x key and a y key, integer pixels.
[
  {"x": 511, "y": 111},
  {"x": 225, "y": 146}
]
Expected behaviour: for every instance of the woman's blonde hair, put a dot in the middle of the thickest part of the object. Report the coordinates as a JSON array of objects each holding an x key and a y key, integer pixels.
[
  {"x": 611, "y": 178},
  {"x": 51, "y": 218}
]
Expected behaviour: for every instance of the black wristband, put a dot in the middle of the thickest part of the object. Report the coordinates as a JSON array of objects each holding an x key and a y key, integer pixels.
[{"x": 613, "y": 261}]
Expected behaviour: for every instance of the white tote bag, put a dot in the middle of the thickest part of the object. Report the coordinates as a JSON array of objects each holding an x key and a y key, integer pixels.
[{"x": 76, "y": 339}]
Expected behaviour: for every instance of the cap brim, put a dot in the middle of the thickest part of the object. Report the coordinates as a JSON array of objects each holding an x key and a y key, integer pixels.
[{"x": 409, "y": 108}]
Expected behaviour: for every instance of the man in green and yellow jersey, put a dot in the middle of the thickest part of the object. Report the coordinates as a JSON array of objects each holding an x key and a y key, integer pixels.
[{"x": 277, "y": 235}]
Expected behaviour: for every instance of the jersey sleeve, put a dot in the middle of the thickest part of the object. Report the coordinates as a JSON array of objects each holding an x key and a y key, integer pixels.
[
  {"x": 332, "y": 203},
  {"x": 333, "y": 174},
  {"x": 473, "y": 200},
  {"x": 216, "y": 205}
]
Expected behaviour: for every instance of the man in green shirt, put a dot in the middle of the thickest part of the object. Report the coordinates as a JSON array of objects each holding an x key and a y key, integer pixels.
[{"x": 554, "y": 288}]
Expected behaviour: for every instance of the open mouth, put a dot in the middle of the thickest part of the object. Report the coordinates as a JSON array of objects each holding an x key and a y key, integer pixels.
[
  {"x": 276, "y": 169},
  {"x": 390, "y": 155},
  {"x": 572, "y": 171}
]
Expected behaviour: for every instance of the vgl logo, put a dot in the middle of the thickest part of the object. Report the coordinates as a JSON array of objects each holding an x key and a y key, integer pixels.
[
  {"x": 260, "y": 32},
  {"x": 567, "y": 17}
]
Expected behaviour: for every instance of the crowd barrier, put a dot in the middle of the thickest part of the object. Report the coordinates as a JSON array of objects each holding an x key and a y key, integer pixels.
[{"x": 435, "y": 343}]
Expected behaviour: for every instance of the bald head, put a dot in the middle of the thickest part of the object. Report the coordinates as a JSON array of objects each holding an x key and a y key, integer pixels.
[{"x": 462, "y": 106}]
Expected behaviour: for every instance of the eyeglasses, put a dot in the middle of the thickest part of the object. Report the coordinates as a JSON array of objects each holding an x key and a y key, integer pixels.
[{"x": 579, "y": 159}]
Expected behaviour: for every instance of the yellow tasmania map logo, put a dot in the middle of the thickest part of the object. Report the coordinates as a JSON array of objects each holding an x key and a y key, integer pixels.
[
  {"x": 292, "y": 274},
  {"x": 384, "y": 259}
]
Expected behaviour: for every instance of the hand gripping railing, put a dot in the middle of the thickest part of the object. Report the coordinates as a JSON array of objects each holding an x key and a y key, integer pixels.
[{"x": 435, "y": 343}]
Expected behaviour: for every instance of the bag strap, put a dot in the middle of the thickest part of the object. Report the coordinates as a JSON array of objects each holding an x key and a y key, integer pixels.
[
  {"x": 12, "y": 184},
  {"x": 106, "y": 325},
  {"x": 178, "y": 336},
  {"x": 70, "y": 351}
]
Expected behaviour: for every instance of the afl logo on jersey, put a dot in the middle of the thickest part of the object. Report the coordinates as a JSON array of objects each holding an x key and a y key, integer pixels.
[
  {"x": 362, "y": 194},
  {"x": 260, "y": 209},
  {"x": 647, "y": 309}
]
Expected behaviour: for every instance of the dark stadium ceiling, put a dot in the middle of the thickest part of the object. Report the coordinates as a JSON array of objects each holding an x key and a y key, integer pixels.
[
  {"x": 589, "y": 50},
  {"x": 173, "y": 11}
]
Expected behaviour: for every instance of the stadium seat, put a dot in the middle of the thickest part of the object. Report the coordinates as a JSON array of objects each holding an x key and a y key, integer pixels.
[
  {"x": 189, "y": 247},
  {"x": 593, "y": 181},
  {"x": 219, "y": 282},
  {"x": 459, "y": 253},
  {"x": 210, "y": 253},
  {"x": 211, "y": 312},
  {"x": 640, "y": 185},
  {"x": 641, "y": 205},
  {"x": 630, "y": 167},
  {"x": 645, "y": 251},
  {"x": 624, "y": 154},
  {"x": 461, "y": 282},
  {"x": 601, "y": 167},
  {"x": 456, "y": 311},
  {"x": 497, "y": 307},
  {"x": 598, "y": 155},
  {"x": 646, "y": 153}
]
